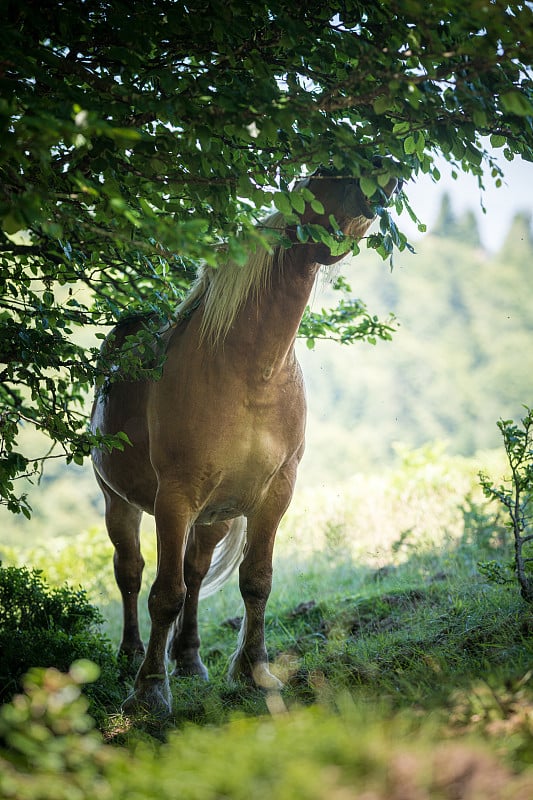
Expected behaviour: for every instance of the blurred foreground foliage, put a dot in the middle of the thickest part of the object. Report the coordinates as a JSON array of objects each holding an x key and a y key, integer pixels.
[{"x": 48, "y": 751}]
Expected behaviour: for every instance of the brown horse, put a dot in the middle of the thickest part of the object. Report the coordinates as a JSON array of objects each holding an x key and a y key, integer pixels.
[{"x": 216, "y": 445}]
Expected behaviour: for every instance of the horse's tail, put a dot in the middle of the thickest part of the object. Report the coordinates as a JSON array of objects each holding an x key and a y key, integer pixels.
[{"x": 226, "y": 557}]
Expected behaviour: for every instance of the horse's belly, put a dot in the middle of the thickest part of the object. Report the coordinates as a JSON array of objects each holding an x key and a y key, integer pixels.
[
  {"x": 244, "y": 485},
  {"x": 220, "y": 512}
]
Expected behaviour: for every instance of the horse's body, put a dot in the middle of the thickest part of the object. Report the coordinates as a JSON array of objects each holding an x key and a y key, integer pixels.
[{"x": 216, "y": 441}]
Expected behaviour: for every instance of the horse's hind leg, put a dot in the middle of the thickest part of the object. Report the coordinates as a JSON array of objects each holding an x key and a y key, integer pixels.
[
  {"x": 185, "y": 643},
  {"x": 250, "y": 661},
  {"x": 123, "y": 522}
]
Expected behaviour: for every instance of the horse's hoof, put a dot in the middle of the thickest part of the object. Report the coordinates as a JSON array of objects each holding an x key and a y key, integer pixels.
[
  {"x": 263, "y": 678},
  {"x": 154, "y": 699},
  {"x": 191, "y": 669},
  {"x": 257, "y": 675}
]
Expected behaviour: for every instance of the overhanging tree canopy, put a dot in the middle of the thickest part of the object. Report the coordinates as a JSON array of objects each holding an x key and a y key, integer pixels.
[{"x": 137, "y": 136}]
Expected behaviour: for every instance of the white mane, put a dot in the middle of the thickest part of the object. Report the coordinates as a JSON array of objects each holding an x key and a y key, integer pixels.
[{"x": 224, "y": 289}]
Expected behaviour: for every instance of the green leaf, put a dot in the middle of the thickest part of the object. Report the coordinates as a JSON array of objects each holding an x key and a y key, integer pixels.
[
  {"x": 383, "y": 179},
  {"x": 382, "y": 104},
  {"x": 302, "y": 234},
  {"x": 480, "y": 118},
  {"x": 127, "y": 134},
  {"x": 401, "y": 128},
  {"x": 282, "y": 203},
  {"x": 297, "y": 202},
  {"x": 368, "y": 186},
  {"x": 516, "y": 103},
  {"x": 12, "y": 223},
  {"x": 409, "y": 145},
  {"x": 497, "y": 140},
  {"x": 319, "y": 234},
  {"x": 317, "y": 206},
  {"x": 420, "y": 144}
]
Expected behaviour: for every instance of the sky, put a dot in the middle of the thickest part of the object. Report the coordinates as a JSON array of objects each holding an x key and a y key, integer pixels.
[{"x": 501, "y": 204}]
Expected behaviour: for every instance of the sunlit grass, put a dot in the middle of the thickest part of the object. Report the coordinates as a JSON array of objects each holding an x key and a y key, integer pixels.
[{"x": 377, "y": 593}]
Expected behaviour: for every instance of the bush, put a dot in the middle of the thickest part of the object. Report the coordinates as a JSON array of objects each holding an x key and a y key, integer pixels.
[
  {"x": 516, "y": 496},
  {"x": 50, "y": 627}
]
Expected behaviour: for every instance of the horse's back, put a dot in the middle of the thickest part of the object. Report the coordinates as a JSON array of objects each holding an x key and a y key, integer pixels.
[{"x": 121, "y": 405}]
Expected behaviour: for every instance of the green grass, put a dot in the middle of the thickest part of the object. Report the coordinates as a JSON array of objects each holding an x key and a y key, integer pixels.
[
  {"x": 377, "y": 592},
  {"x": 394, "y": 641},
  {"x": 407, "y": 672}
]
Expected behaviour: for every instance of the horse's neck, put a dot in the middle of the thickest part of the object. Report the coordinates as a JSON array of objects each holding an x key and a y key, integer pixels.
[{"x": 267, "y": 326}]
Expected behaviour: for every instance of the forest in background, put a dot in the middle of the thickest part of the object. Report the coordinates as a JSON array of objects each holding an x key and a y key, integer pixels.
[{"x": 458, "y": 362}]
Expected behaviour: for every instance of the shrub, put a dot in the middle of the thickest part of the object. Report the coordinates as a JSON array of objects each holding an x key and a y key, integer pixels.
[
  {"x": 49, "y": 627},
  {"x": 516, "y": 496}
]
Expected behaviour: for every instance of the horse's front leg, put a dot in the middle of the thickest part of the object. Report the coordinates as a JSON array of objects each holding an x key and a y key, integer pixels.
[
  {"x": 250, "y": 661},
  {"x": 166, "y": 599},
  {"x": 185, "y": 643}
]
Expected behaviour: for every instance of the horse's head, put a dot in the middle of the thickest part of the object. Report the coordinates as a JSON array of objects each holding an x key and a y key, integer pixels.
[{"x": 341, "y": 197}]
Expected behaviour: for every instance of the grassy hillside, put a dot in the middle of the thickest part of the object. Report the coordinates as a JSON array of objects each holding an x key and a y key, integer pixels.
[
  {"x": 407, "y": 672},
  {"x": 376, "y": 570}
]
